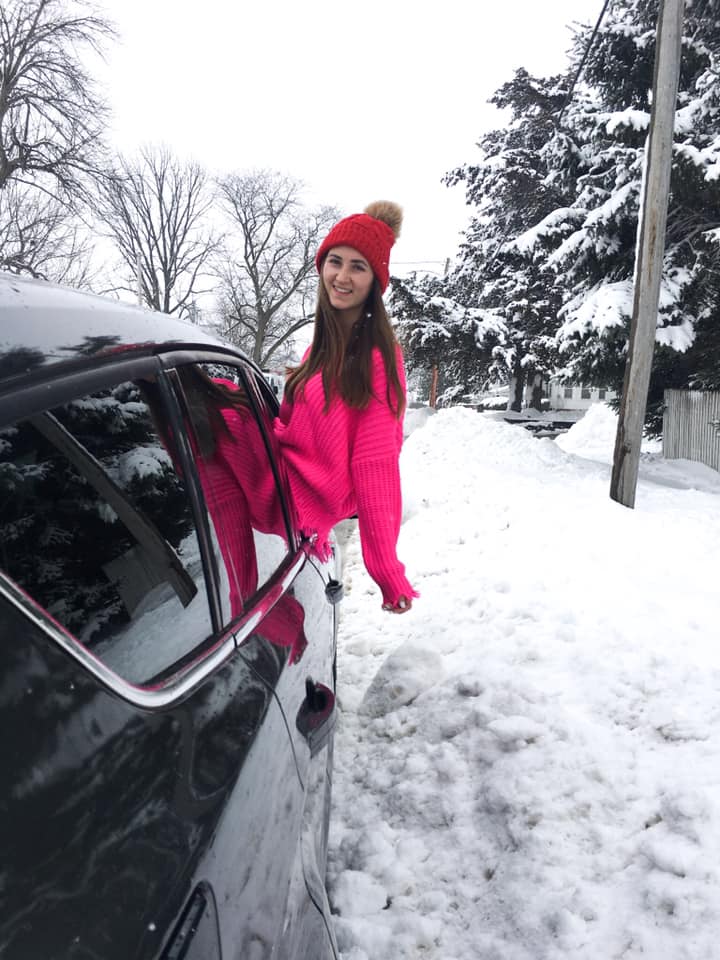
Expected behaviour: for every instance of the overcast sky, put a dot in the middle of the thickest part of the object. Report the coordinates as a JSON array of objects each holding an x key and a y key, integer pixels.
[{"x": 361, "y": 101}]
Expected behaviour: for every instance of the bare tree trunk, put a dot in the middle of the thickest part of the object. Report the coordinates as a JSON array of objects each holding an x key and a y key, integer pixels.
[
  {"x": 52, "y": 125},
  {"x": 517, "y": 387},
  {"x": 40, "y": 236},
  {"x": 535, "y": 392},
  {"x": 267, "y": 266},
  {"x": 156, "y": 211},
  {"x": 52, "y": 117}
]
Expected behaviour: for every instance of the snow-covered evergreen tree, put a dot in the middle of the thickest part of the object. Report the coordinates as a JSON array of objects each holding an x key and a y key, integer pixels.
[
  {"x": 437, "y": 331},
  {"x": 512, "y": 188},
  {"x": 556, "y": 195},
  {"x": 590, "y": 243},
  {"x": 510, "y": 191}
]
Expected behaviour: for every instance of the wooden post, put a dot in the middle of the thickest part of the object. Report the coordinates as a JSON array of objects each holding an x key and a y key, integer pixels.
[
  {"x": 650, "y": 250},
  {"x": 433, "y": 386}
]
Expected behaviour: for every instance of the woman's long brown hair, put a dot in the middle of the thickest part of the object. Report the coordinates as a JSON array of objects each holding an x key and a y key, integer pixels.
[{"x": 345, "y": 367}]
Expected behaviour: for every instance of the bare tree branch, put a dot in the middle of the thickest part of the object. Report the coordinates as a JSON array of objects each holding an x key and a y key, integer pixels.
[
  {"x": 52, "y": 119},
  {"x": 156, "y": 211},
  {"x": 40, "y": 236},
  {"x": 267, "y": 271}
]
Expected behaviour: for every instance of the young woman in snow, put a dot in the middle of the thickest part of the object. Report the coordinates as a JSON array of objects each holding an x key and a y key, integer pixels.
[{"x": 340, "y": 423}]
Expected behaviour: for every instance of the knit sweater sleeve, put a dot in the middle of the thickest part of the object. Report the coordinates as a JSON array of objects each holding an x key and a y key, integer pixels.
[{"x": 376, "y": 479}]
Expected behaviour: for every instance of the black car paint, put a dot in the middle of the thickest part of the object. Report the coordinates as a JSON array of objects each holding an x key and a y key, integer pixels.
[{"x": 196, "y": 830}]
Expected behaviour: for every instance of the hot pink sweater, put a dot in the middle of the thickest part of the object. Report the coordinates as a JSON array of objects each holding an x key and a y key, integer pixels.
[{"x": 345, "y": 462}]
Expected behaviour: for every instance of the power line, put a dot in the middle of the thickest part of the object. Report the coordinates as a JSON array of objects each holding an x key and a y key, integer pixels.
[{"x": 579, "y": 70}]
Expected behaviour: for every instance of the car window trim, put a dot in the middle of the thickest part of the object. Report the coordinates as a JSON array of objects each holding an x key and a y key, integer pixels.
[
  {"x": 175, "y": 357},
  {"x": 262, "y": 602},
  {"x": 175, "y": 687}
]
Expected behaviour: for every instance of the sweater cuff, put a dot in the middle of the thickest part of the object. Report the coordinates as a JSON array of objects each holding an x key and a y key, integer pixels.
[
  {"x": 377, "y": 486},
  {"x": 400, "y": 587}
]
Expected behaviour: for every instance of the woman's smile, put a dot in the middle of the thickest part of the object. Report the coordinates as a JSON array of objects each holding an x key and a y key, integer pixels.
[{"x": 347, "y": 277}]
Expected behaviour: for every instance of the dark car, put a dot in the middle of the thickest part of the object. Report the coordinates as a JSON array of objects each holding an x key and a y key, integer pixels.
[{"x": 167, "y": 648}]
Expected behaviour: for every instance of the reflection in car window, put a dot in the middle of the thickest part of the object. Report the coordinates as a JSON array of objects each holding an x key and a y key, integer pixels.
[
  {"x": 95, "y": 525},
  {"x": 236, "y": 475}
]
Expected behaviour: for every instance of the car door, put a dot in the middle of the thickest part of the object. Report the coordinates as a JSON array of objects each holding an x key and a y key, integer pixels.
[
  {"x": 230, "y": 408},
  {"x": 146, "y": 767},
  {"x": 310, "y": 725}
]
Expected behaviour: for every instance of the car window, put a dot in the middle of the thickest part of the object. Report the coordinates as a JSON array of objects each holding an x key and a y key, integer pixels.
[
  {"x": 95, "y": 526},
  {"x": 237, "y": 477}
]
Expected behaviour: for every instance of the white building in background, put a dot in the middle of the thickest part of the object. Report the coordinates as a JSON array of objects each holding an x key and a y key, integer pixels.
[
  {"x": 572, "y": 396},
  {"x": 555, "y": 396}
]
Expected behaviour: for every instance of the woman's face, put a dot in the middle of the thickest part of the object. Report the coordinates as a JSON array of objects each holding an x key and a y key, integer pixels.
[{"x": 347, "y": 277}]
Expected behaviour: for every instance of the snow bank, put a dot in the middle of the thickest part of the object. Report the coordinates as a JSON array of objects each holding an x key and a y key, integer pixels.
[
  {"x": 593, "y": 436},
  {"x": 526, "y": 762},
  {"x": 416, "y": 417}
]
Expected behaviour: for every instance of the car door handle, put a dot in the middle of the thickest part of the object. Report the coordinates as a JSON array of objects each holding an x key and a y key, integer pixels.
[
  {"x": 334, "y": 591},
  {"x": 316, "y": 717}
]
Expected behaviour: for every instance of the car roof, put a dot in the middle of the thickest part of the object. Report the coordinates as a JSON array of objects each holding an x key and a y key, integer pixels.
[{"x": 44, "y": 326}]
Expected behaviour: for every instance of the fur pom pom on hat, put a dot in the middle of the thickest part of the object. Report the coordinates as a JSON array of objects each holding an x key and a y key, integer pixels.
[{"x": 372, "y": 233}]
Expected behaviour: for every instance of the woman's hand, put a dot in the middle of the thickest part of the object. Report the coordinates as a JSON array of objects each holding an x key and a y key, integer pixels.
[{"x": 402, "y": 606}]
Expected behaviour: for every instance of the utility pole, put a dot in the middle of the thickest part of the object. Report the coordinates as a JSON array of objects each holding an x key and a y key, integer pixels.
[{"x": 650, "y": 250}]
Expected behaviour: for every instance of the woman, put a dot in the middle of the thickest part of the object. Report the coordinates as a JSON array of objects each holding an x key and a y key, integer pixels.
[{"x": 340, "y": 424}]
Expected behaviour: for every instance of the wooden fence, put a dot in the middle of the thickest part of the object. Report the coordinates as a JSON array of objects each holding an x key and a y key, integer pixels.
[{"x": 691, "y": 426}]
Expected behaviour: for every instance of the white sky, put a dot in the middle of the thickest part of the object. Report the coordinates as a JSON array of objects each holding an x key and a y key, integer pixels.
[{"x": 376, "y": 100}]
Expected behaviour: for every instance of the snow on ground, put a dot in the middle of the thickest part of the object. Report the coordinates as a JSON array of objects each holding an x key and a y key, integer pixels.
[{"x": 528, "y": 762}]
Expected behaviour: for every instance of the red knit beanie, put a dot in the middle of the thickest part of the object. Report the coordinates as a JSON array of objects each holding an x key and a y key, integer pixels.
[{"x": 371, "y": 233}]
